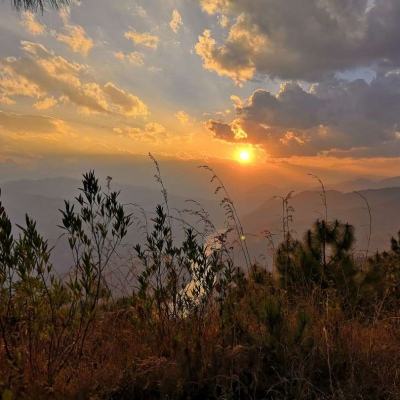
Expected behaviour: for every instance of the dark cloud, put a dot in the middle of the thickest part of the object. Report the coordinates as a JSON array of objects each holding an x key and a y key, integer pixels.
[
  {"x": 301, "y": 39},
  {"x": 221, "y": 130},
  {"x": 333, "y": 117}
]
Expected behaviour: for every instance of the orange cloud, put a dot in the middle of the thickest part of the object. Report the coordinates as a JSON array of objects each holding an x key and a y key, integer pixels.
[
  {"x": 31, "y": 24},
  {"x": 183, "y": 117},
  {"x": 76, "y": 39},
  {"x": 150, "y": 132},
  {"x": 12, "y": 84},
  {"x": 19, "y": 124},
  {"x": 176, "y": 21},
  {"x": 45, "y": 104},
  {"x": 143, "y": 39},
  {"x": 42, "y": 74},
  {"x": 214, "y": 6},
  {"x": 135, "y": 58},
  {"x": 123, "y": 102}
]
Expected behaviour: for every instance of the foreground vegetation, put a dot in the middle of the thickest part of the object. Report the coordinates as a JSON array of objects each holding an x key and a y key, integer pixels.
[{"x": 201, "y": 321}]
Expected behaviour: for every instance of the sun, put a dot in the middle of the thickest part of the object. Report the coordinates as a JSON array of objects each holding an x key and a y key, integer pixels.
[{"x": 244, "y": 156}]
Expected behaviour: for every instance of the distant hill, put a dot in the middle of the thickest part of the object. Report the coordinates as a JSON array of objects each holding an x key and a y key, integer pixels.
[
  {"x": 364, "y": 184},
  {"x": 348, "y": 207},
  {"x": 42, "y": 199}
]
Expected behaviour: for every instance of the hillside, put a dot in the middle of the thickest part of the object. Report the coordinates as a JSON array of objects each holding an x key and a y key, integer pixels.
[
  {"x": 348, "y": 207},
  {"x": 42, "y": 200}
]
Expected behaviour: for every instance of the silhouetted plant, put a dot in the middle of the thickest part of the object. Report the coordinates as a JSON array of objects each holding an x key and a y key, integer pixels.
[
  {"x": 42, "y": 317},
  {"x": 368, "y": 207},
  {"x": 324, "y": 259},
  {"x": 178, "y": 280},
  {"x": 94, "y": 231},
  {"x": 381, "y": 284},
  {"x": 232, "y": 216},
  {"x": 36, "y": 5},
  {"x": 31, "y": 297},
  {"x": 287, "y": 238}
]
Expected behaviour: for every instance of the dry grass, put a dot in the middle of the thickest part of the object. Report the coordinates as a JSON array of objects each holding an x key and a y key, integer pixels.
[{"x": 242, "y": 356}]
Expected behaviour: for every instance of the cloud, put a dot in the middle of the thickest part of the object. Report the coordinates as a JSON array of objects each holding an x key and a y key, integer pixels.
[
  {"x": 223, "y": 20},
  {"x": 12, "y": 84},
  {"x": 31, "y": 124},
  {"x": 135, "y": 58},
  {"x": 65, "y": 14},
  {"x": 122, "y": 102},
  {"x": 45, "y": 104},
  {"x": 183, "y": 117},
  {"x": 25, "y": 136},
  {"x": 40, "y": 74},
  {"x": 150, "y": 132},
  {"x": 302, "y": 39},
  {"x": 140, "y": 11},
  {"x": 76, "y": 39},
  {"x": 218, "y": 59},
  {"x": 143, "y": 39},
  {"x": 5, "y": 100},
  {"x": 334, "y": 117},
  {"x": 176, "y": 21},
  {"x": 221, "y": 130},
  {"x": 214, "y": 6},
  {"x": 31, "y": 24}
]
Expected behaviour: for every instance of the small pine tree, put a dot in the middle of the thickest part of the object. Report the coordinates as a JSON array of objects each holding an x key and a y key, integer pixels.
[{"x": 323, "y": 259}]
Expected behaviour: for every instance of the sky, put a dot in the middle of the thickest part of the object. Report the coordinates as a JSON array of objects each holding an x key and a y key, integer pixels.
[{"x": 255, "y": 87}]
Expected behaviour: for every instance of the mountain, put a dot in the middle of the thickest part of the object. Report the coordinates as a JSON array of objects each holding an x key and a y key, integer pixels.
[
  {"x": 42, "y": 199},
  {"x": 347, "y": 207},
  {"x": 390, "y": 182},
  {"x": 364, "y": 184}
]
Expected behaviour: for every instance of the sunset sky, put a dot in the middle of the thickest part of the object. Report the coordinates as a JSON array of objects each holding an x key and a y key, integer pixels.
[{"x": 302, "y": 85}]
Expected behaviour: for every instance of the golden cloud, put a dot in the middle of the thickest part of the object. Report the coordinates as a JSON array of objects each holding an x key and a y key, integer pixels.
[
  {"x": 123, "y": 102},
  {"x": 19, "y": 124},
  {"x": 12, "y": 84},
  {"x": 183, "y": 117},
  {"x": 214, "y": 6},
  {"x": 41, "y": 74},
  {"x": 150, "y": 132},
  {"x": 143, "y": 39},
  {"x": 176, "y": 21},
  {"x": 135, "y": 58},
  {"x": 45, "y": 104},
  {"x": 76, "y": 39},
  {"x": 31, "y": 24}
]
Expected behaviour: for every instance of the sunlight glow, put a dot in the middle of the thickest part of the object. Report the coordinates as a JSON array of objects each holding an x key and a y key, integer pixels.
[{"x": 244, "y": 156}]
